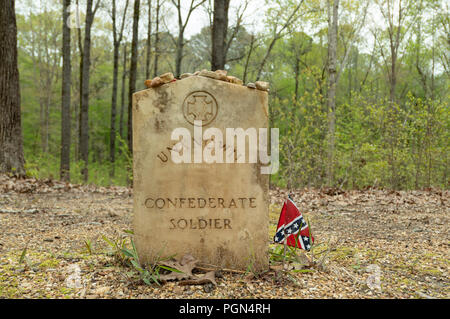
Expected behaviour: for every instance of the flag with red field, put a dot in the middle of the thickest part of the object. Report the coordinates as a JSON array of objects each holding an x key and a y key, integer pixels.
[{"x": 293, "y": 228}]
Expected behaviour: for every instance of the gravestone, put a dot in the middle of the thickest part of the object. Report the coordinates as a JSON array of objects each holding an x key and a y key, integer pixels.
[{"x": 218, "y": 212}]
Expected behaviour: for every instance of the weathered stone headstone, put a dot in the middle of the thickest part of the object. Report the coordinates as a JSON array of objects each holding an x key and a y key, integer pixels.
[{"x": 217, "y": 212}]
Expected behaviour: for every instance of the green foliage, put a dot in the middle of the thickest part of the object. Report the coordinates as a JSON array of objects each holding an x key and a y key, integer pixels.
[
  {"x": 378, "y": 143},
  {"x": 302, "y": 127},
  {"x": 127, "y": 158},
  {"x": 124, "y": 251},
  {"x": 148, "y": 276},
  {"x": 276, "y": 254},
  {"x": 89, "y": 247},
  {"x": 44, "y": 165},
  {"x": 23, "y": 255}
]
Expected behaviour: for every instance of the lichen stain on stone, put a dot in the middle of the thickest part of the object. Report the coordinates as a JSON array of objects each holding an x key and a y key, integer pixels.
[
  {"x": 162, "y": 98},
  {"x": 137, "y": 97},
  {"x": 159, "y": 124}
]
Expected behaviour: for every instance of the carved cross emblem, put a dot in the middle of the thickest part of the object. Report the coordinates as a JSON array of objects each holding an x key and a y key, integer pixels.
[{"x": 200, "y": 106}]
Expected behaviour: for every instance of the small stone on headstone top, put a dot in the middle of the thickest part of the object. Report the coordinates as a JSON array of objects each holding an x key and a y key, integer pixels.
[
  {"x": 263, "y": 86},
  {"x": 167, "y": 77},
  {"x": 222, "y": 74},
  {"x": 234, "y": 80},
  {"x": 156, "y": 82},
  {"x": 251, "y": 85},
  {"x": 185, "y": 75},
  {"x": 210, "y": 74}
]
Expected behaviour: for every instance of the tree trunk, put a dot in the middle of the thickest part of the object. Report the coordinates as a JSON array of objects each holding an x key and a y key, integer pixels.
[
  {"x": 42, "y": 127},
  {"x": 112, "y": 135},
  {"x": 219, "y": 34},
  {"x": 181, "y": 27},
  {"x": 149, "y": 40},
  {"x": 393, "y": 79},
  {"x": 266, "y": 57},
  {"x": 133, "y": 73},
  {"x": 277, "y": 34},
  {"x": 65, "y": 105},
  {"x": 80, "y": 84},
  {"x": 332, "y": 81},
  {"x": 297, "y": 76},
  {"x": 179, "y": 54},
  {"x": 117, "y": 39},
  {"x": 11, "y": 154},
  {"x": 155, "y": 64},
  {"x": 122, "y": 105},
  {"x": 247, "y": 61},
  {"x": 84, "y": 111},
  {"x": 349, "y": 94}
]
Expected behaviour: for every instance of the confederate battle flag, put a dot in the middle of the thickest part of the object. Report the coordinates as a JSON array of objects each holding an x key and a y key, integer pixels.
[{"x": 293, "y": 226}]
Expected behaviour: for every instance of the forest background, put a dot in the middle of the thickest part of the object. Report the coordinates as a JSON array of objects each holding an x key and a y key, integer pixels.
[{"x": 359, "y": 89}]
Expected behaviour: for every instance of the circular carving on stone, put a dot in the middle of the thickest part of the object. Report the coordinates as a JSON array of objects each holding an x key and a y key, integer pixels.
[{"x": 200, "y": 106}]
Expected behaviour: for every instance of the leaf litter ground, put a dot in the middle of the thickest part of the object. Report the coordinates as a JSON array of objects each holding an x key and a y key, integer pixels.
[{"x": 371, "y": 244}]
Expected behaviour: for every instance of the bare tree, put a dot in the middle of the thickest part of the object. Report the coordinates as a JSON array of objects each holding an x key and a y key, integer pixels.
[
  {"x": 235, "y": 29},
  {"x": 397, "y": 27},
  {"x": 247, "y": 60},
  {"x": 80, "y": 85},
  {"x": 11, "y": 143},
  {"x": 334, "y": 73},
  {"x": 122, "y": 98},
  {"x": 149, "y": 40},
  {"x": 159, "y": 3},
  {"x": 297, "y": 45},
  {"x": 348, "y": 42},
  {"x": 179, "y": 43},
  {"x": 65, "y": 100},
  {"x": 396, "y": 14},
  {"x": 133, "y": 72},
  {"x": 44, "y": 39},
  {"x": 84, "y": 111},
  {"x": 278, "y": 33},
  {"x": 333, "y": 16},
  {"x": 117, "y": 40},
  {"x": 419, "y": 68}
]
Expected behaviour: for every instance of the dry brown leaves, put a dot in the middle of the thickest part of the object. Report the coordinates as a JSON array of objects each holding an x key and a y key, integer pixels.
[
  {"x": 405, "y": 234},
  {"x": 46, "y": 186},
  {"x": 183, "y": 273}
]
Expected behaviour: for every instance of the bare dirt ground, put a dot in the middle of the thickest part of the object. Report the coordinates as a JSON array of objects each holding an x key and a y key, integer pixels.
[{"x": 370, "y": 244}]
